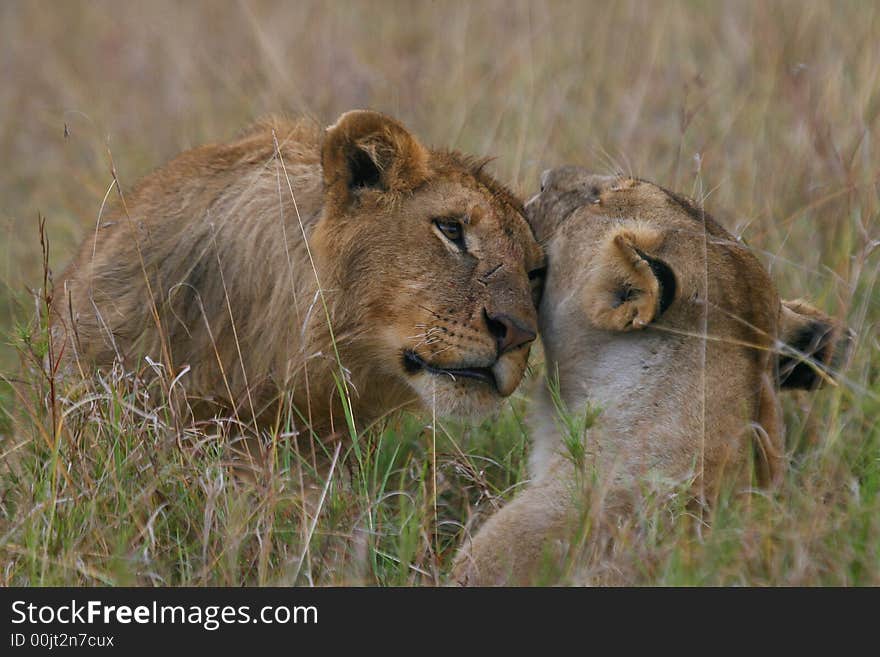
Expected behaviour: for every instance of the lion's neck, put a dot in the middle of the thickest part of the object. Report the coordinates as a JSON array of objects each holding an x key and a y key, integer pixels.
[
  {"x": 628, "y": 379},
  {"x": 336, "y": 382}
]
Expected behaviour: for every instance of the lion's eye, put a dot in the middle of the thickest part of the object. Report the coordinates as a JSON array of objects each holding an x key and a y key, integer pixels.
[{"x": 452, "y": 230}]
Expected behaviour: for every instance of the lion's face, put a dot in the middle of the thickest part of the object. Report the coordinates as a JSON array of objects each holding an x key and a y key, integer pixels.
[{"x": 440, "y": 261}]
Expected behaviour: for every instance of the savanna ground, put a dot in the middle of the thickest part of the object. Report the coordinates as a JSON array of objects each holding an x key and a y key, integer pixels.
[{"x": 768, "y": 112}]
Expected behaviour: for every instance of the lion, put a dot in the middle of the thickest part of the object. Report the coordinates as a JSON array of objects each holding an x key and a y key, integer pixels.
[
  {"x": 661, "y": 319},
  {"x": 350, "y": 271}
]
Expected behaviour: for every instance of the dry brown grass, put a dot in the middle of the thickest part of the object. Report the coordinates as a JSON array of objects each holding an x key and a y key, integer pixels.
[{"x": 767, "y": 110}]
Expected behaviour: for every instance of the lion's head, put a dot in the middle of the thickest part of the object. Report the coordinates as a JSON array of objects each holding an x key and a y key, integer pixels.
[
  {"x": 435, "y": 257},
  {"x": 671, "y": 321}
]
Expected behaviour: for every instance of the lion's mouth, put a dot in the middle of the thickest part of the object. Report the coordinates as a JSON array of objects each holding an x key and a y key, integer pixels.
[{"x": 413, "y": 363}]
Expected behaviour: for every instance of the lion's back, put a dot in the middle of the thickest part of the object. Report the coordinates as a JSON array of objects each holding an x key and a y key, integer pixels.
[{"x": 197, "y": 237}]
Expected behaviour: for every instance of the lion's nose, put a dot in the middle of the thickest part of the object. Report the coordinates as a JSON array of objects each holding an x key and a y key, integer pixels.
[{"x": 509, "y": 333}]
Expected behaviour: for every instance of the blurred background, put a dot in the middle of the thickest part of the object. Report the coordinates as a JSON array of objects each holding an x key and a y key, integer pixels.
[{"x": 768, "y": 112}]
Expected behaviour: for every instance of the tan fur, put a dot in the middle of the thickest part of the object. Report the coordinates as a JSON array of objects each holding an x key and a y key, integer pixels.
[
  {"x": 637, "y": 277},
  {"x": 238, "y": 259},
  {"x": 622, "y": 268}
]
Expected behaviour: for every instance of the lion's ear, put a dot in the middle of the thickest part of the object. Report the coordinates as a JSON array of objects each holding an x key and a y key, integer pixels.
[
  {"x": 628, "y": 288},
  {"x": 816, "y": 346},
  {"x": 368, "y": 150}
]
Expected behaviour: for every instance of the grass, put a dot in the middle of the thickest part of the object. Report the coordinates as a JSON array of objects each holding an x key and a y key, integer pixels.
[{"x": 768, "y": 111}]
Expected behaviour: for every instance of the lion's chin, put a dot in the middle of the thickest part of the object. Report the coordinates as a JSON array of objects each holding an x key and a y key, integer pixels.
[{"x": 460, "y": 398}]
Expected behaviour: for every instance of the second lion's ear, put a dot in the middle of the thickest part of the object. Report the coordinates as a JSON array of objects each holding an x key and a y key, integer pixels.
[
  {"x": 368, "y": 150},
  {"x": 628, "y": 287},
  {"x": 816, "y": 346}
]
